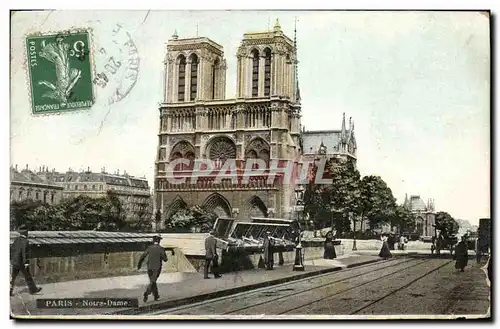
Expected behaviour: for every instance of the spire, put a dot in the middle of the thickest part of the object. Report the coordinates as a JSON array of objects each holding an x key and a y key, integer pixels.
[
  {"x": 175, "y": 36},
  {"x": 297, "y": 88},
  {"x": 277, "y": 26},
  {"x": 343, "y": 132}
]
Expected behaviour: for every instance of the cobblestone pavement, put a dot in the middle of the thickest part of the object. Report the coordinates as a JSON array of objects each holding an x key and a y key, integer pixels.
[{"x": 406, "y": 286}]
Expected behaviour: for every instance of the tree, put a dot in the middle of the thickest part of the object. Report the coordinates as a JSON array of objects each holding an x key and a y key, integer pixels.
[
  {"x": 80, "y": 213},
  {"x": 332, "y": 203},
  {"x": 344, "y": 192},
  {"x": 446, "y": 224},
  {"x": 19, "y": 212},
  {"x": 196, "y": 217},
  {"x": 403, "y": 219},
  {"x": 376, "y": 201},
  {"x": 180, "y": 221}
]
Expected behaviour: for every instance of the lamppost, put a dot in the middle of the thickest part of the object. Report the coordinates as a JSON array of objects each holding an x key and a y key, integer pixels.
[
  {"x": 299, "y": 208},
  {"x": 332, "y": 210},
  {"x": 354, "y": 247}
]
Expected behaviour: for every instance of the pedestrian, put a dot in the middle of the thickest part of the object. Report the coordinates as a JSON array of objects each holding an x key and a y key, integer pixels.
[
  {"x": 385, "y": 252},
  {"x": 329, "y": 246},
  {"x": 156, "y": 256},
  {"x": 402, "y": 241},
  {"x": 478, "y": 250},
  {"x": 211, "y": 257},
  {"x": 19, "y": 260},
  {"x": 439, "y": 244},
  {"x": 268, "y": 251},
  {"x": 461, "y": 255}
]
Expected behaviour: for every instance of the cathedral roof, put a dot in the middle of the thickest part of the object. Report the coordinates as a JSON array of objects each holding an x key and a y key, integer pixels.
[
  {"x": 312, "y": 140},
  {"x": 415, "y": 203}
]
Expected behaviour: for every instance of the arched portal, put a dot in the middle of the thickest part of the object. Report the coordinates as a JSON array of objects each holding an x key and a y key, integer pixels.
[
  {"x": 177, "y": 204},
  {"x": 256, "y": 207},
  {"x": 217, "y": 204}
]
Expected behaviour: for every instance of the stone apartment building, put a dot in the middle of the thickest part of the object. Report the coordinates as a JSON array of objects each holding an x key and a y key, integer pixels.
[
  {"x": 27, "y": 185},
  {"x": 133, "y": 192},
  {"x": 263, "y": 121}
]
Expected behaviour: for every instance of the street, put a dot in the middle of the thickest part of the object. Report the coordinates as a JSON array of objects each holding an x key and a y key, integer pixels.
[{"x": 409, "y": 286}]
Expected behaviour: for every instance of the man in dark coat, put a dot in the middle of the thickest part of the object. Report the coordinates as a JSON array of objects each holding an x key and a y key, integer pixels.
[
  {"x": 20, "y": 262},
  {"x": 156, "y": 255},
  {"x": 461, "y": 255},
  {"x": 268, "y": 251},
  {"x": 211, "y": 256}
]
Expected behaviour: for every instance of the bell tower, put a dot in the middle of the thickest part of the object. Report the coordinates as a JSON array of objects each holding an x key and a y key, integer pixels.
[
  {"x": 267, "y": 64},
  {"x": 195, "y": 70}
]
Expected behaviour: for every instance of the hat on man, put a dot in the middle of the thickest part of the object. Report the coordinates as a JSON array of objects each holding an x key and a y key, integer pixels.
[{"x": 23, "y": 230}]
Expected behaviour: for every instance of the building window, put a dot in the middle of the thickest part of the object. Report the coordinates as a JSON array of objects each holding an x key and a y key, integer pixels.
[
  {"x": 85, "y": 187},
  {"x": 100, "y": 187},
  {"x": 20, "y": 195},
  {"x": 194, "y": 77},
  {"x": 28, "y": 194},
  {"x": 182, "y": 79},
  {"x": 36, "y": 195},
  {"x": 93, "y": 187},
  {"x": 255, "y": 73},
  {"x": 267, "y": 72},
  {"x": 52, "y": 198},
  {"x": 76, "y": 187},
  {"x": 44, "y": 197}
]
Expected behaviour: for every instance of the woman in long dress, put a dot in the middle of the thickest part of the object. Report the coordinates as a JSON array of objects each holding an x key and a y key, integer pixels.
[
  {"x": 329, "y": 247},
  {"x": 461, "y": 255},
  {"x": 385, "y": 252}
]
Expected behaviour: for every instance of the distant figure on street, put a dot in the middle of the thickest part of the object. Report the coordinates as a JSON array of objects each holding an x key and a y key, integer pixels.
[
  {"x": 439, "y": 244},
  {"x": 385, "y": 252},
  {"x": 329, "y": 246},
  {"x": 461, "y": 255},
  {"x": 156, "y": 255},
  {"x": 20, "y": 262},
  {"x": 211, "y": 257},
  {"x": 391, "y": 241},
  {"x": 402, "y": 241},
  {"x": 478, "y": 250},
  {"x": 268, "y": 251}
]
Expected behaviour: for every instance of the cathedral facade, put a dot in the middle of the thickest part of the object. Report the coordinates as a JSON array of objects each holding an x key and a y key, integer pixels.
[{"x": 263, "y": 122}]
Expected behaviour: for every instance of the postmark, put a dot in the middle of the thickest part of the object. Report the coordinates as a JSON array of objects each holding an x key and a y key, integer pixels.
[
  {"x": 60, "y": 71},
  {"x": 119, "y": 64}
]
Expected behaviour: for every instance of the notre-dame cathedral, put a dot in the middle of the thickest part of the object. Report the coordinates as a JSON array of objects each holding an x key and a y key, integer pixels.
[{"x": 263, "y": 121}]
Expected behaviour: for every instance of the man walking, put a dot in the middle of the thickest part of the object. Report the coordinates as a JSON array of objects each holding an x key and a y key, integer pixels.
[
  {"x": 20, "y": 262},
  {"x": 156, "y": 255},
  {"x": 211, "y": 255}
]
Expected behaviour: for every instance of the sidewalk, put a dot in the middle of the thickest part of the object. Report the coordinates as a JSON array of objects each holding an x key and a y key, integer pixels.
[{"x": 175, "y": 288}]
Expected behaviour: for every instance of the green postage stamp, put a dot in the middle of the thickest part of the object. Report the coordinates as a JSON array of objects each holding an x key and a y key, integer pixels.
[{"x": 60, "y": 72}]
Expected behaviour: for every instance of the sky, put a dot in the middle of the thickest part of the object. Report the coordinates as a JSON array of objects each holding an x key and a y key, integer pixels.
[{"x": 417, "y": 85}]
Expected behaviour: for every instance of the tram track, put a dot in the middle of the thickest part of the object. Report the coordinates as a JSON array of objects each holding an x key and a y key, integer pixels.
[
  {"x": 210, "y": 306},
  {"x": 390, "y": 277}
]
